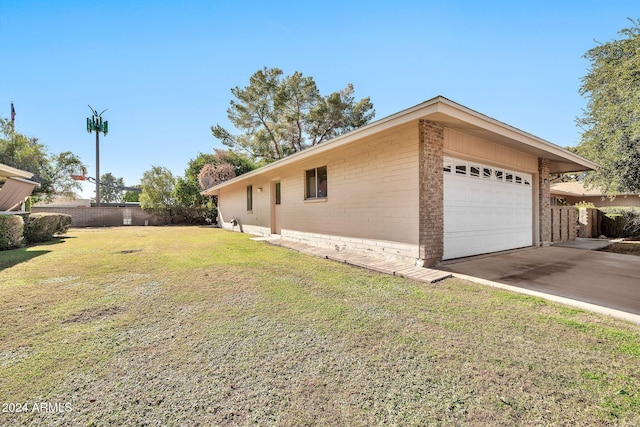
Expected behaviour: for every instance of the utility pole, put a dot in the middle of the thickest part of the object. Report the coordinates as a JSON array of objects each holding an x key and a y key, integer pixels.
[{"x": 95, "y": 123}]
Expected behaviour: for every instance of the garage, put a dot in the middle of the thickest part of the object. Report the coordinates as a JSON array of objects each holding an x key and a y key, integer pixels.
[{"x": 486, "y": 209}]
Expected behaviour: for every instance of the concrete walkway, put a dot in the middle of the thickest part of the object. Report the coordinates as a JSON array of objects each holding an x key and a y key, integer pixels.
[{"x": 394, "y": 268}]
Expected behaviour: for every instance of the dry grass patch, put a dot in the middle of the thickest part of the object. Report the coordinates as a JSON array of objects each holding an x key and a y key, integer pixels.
[
  {"x": 628, "y": 247},
  {"x": 197, "y": 326}
]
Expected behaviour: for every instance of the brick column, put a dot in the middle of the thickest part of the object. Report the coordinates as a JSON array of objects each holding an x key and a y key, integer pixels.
[
  {"x": 544, "y": 195},
  {"x": 431, "y": 239}
]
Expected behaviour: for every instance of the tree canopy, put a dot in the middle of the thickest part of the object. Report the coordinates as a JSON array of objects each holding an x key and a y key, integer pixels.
[
  {"x": 52, "y": 171},
  {"x": 157, "y": 189},
  {"x": 281, "y": 115},
  {"x": 611, "y": 120},
  {"x": 111, "y": 188}
]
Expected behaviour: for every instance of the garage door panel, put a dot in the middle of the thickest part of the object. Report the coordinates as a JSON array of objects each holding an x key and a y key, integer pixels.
[{"x": 486, "y": 214}]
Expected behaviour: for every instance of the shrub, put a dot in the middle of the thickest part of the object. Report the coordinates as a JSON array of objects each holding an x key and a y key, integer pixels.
[
  {"x": 11, "y": 229},
  {"x": 41, "y": 227},
  {"x": 621, "y": 221},
  {"x": 583, "y": 204}
]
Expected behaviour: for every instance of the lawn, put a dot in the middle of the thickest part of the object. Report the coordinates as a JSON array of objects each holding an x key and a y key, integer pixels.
[{"x": 198, "y": 326}]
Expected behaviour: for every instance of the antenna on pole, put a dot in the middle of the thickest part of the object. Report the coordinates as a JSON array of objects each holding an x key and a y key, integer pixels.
[{"x": 95, "y": 123}]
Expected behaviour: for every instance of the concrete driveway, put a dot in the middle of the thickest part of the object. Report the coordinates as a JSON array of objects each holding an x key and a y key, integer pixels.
[{"x": 600, "y": 278}]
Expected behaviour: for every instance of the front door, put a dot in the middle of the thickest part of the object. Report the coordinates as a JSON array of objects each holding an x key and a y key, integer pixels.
[{"x": 275, "y": 208}]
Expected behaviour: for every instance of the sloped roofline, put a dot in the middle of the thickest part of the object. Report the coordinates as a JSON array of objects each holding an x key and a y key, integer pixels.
[
  {"x": 7, "y": 171},
  {"x": 438, "y": 109}
]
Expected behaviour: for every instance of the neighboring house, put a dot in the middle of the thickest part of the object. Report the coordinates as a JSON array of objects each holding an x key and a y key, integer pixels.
[
  {"x": 15, "y": 188},
  {"x": 434, "y": 182},
  {"x": 571, "y": 193}
]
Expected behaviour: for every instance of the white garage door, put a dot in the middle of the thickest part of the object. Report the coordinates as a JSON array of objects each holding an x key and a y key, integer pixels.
[{"x": 486, "y": 209}]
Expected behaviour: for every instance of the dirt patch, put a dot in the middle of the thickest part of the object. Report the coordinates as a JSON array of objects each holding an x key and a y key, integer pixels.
[
  {"x": 91, "y": 315},
  {"x": 627, "y": 247}
]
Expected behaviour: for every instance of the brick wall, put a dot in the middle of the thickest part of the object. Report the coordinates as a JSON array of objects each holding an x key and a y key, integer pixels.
[
  {"x": 431, "y": 229},
  {"x": 564, "y": 223},
  {"x": 102, "y": 216},
  {"x": 544, "y": 196},
  {"x": 589, "y": 220}
]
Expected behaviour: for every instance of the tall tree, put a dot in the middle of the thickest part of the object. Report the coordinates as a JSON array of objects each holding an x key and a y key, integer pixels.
[
  {"x": 279, "y": 116},
  {"x": 111, "y": 188},
  {"x": 157, "y": 189},
  {"x": 611, "y": 120},
  {"x": 52, "y": 171}
]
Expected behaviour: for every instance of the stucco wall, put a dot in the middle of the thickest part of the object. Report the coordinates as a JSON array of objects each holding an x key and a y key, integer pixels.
[
  {"x": 599, "y": 202},
  {"x": 468, "y": 147}
]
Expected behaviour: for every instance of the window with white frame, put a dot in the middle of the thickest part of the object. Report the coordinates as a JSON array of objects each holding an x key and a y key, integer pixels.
[{"x": 316, "y": 183}]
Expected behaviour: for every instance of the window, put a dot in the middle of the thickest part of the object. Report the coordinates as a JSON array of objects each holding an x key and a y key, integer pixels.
[
  {"x": 474, "y": 171},
  {"x": 487, "y": 172},
  {"x": 278, "y": 196},
  {"x": 316, "y": 183},
  {"x": 461, "y": 169},
  {"x": 446, "y": 168},
  {"x": 249, "y": 198}
]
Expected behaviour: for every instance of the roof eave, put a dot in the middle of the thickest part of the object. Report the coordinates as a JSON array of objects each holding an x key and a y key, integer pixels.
[{"x": 437, "y": 109}]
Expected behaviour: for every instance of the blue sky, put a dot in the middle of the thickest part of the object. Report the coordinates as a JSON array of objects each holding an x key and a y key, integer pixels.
[{"x": 164, "y": 69}]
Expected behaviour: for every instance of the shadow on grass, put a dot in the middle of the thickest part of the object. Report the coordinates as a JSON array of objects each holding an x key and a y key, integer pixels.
[{"x": 17, "y": 256}]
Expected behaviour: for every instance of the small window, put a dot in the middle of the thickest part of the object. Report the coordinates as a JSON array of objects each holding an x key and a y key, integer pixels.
[
  {"x": 499, "y": 175},
  {"x": 487, "y": 173},
  {"x": 316, "y": 183},
  {"x": 249, "y": 198},
  {"x": 526, "y": 182},
  {"x": 518, "y": 179},
  {"x": 278, "y": 196},
  {"x": 474, "y": 171},
  {"x": 509, "y": 177},
  {"x": 447, "y": 166},
  {"x": 461, "y": 169}
]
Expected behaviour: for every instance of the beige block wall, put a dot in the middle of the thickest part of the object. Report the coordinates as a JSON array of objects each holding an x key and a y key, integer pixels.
[{"x": 372, "y": 191}]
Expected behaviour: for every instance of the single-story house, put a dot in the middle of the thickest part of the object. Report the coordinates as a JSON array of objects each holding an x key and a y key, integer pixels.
[
  {"x": 433, "y": 182},
  {"x": 571, "y": 193},
  {"x": 15, "y": 188}
]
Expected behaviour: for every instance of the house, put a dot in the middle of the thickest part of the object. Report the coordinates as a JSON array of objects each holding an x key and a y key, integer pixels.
[
  {"x": 434, "y": 182},
  {"x": 15, "y": 189},
  {"x": 574, "y": 192}
]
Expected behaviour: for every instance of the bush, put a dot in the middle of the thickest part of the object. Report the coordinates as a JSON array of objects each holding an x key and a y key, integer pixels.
[
  {"x": 11, "y": 230},
  {"x": 621, "y": 221},
  {"x": 41, "y": 227}
]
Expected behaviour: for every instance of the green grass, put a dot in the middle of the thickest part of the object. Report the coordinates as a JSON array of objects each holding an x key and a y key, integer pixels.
[{"x": 198, "y": 326}]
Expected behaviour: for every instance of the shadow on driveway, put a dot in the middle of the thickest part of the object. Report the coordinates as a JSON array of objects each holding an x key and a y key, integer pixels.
[{"x": 601, "y": 278}]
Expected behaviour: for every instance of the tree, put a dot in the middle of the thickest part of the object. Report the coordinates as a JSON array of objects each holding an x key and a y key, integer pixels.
[
  {"x": 611, "y": 120},
  {"x": 279, "y": 116},
  {"x": 131, "y": 196},
  {"x": 157, "y": 189},
  {"x": 52, "y": 171},
  {"x": 56, "y": 175},
  {"x": 111, "y": 188},
  {"x": 211, "y": 174}
]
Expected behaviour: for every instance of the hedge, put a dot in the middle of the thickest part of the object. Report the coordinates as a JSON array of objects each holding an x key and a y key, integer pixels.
[
  {"x": 11, "y": 231},
  {"x": 41, "y": 227},
  {"x": 620, "y": 221}
]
